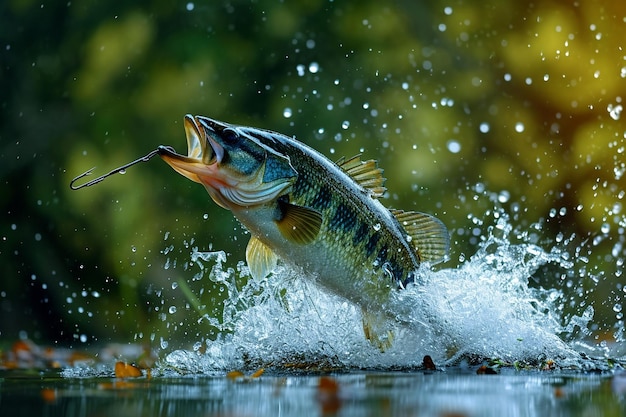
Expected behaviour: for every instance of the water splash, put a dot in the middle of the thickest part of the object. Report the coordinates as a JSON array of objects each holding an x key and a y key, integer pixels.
[{"x": 487, "y": 307}]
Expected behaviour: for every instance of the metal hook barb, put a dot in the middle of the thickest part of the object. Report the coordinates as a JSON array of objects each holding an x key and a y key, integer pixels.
[{"x": 145, "y": 158}]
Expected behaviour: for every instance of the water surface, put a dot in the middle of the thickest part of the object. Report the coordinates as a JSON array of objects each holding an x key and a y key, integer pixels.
[{"x": 453, "y": 392}]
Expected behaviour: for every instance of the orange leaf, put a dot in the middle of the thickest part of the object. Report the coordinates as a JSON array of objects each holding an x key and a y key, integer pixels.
[
  {"x": 125, "y": 370},
  {"x": 234, "y": 375}
]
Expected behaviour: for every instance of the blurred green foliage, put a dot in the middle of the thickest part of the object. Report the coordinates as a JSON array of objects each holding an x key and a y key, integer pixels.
[{"x": 463, "y": 102}]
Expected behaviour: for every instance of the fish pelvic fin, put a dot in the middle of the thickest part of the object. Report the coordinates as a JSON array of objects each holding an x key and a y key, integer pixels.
[
  {"x": 260, "y": 258},
  {"x": 366, "y": 173},
  {"x": 377, "y": 330},
  {"x": 427, "y": 234},
  {"x": 298, "y": 224}
]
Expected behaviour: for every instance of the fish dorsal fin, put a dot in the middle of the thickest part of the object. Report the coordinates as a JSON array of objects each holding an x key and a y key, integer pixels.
[
  {"x": 298, "y": 224},
  {"x": 260, "y": 258},
  {"x": 427, "y": 234},
  {"x": 366, "y": 173}
]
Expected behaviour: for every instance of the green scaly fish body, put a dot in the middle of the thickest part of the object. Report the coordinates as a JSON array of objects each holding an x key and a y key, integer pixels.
[{"x": 320, "y": 216}]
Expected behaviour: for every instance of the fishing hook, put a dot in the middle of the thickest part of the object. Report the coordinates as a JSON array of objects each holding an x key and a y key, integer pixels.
[{"x": 145, "y": 158}]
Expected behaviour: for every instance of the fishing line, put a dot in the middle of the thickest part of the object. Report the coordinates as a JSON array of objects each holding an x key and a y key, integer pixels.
[{"x": 121, "y": 169}]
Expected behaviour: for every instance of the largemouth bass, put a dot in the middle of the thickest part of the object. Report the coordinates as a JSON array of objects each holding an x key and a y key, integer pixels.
[{"x": 321, "y": 216}]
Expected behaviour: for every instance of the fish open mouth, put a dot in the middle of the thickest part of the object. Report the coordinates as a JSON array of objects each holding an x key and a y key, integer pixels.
[{"x": 201, "y": 154}]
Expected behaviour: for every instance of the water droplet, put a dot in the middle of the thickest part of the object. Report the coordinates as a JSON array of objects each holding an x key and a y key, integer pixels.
[
  {"x": 122, "y": 171},
  {"x": 504, "y": 196},
  {"x": 453, "y": 146},
  {"x": 287, "y": 113},
  {"x": 615, "y": 111},
  {"x": 519, "y": 127},
  {"x": 190, "y": 6},
  {"x": 484, "y": 127},
  {"x": 314, "y": 67},
  {"x": 172, "y": 309},
  {"x": 377, "y": 227},
  {"x": 447, "y": 102},
  {"x": 301, "y": 70},
  {"x": 174, "y": 285},
  {"x": 205, "y": 216},
  {"x": 617, "y": 307},
  {"x": 345, "y": 124},
  {"x": 133, "y": 248}
]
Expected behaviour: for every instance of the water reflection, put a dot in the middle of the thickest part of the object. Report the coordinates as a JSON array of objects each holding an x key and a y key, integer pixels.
[{"x": 454, "y": 392}]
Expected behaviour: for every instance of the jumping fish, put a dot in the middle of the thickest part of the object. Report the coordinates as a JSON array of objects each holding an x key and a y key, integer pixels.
[{"x": 324, "y": 217}]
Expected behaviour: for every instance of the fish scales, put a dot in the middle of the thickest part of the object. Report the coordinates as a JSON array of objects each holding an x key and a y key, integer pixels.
[
  {"x": 356, "y": 228},
  {"x": 354, "y": 224}
]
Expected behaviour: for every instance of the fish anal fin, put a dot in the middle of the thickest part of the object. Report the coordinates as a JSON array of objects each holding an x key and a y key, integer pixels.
[
  {"x": 298, "y": 224},
  {"x": 260, "y": 258},
  {"x": 428, "y": 235},
  {"x": 365, "y": 173},
  {"x": 377, "y": 330}
]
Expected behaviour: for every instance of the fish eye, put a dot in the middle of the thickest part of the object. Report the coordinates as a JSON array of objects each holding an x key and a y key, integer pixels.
[{"x": 229, "y": 135}]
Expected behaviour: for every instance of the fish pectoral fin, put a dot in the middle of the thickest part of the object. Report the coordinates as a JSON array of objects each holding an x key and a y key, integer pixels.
[
  {"x": 429, "y": 236},
  {"x": 298, "y": 224},
  {"x": 377, "y": 330},
  {"x": 260, "y": 258},
  {"x": 365, "y": 173}
]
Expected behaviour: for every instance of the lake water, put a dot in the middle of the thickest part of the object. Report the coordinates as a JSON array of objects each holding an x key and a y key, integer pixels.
[{"x": 452, "y": 392}]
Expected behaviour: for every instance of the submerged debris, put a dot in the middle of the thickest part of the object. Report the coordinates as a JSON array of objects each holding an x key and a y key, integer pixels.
[{"x": 428, "y": 363}]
